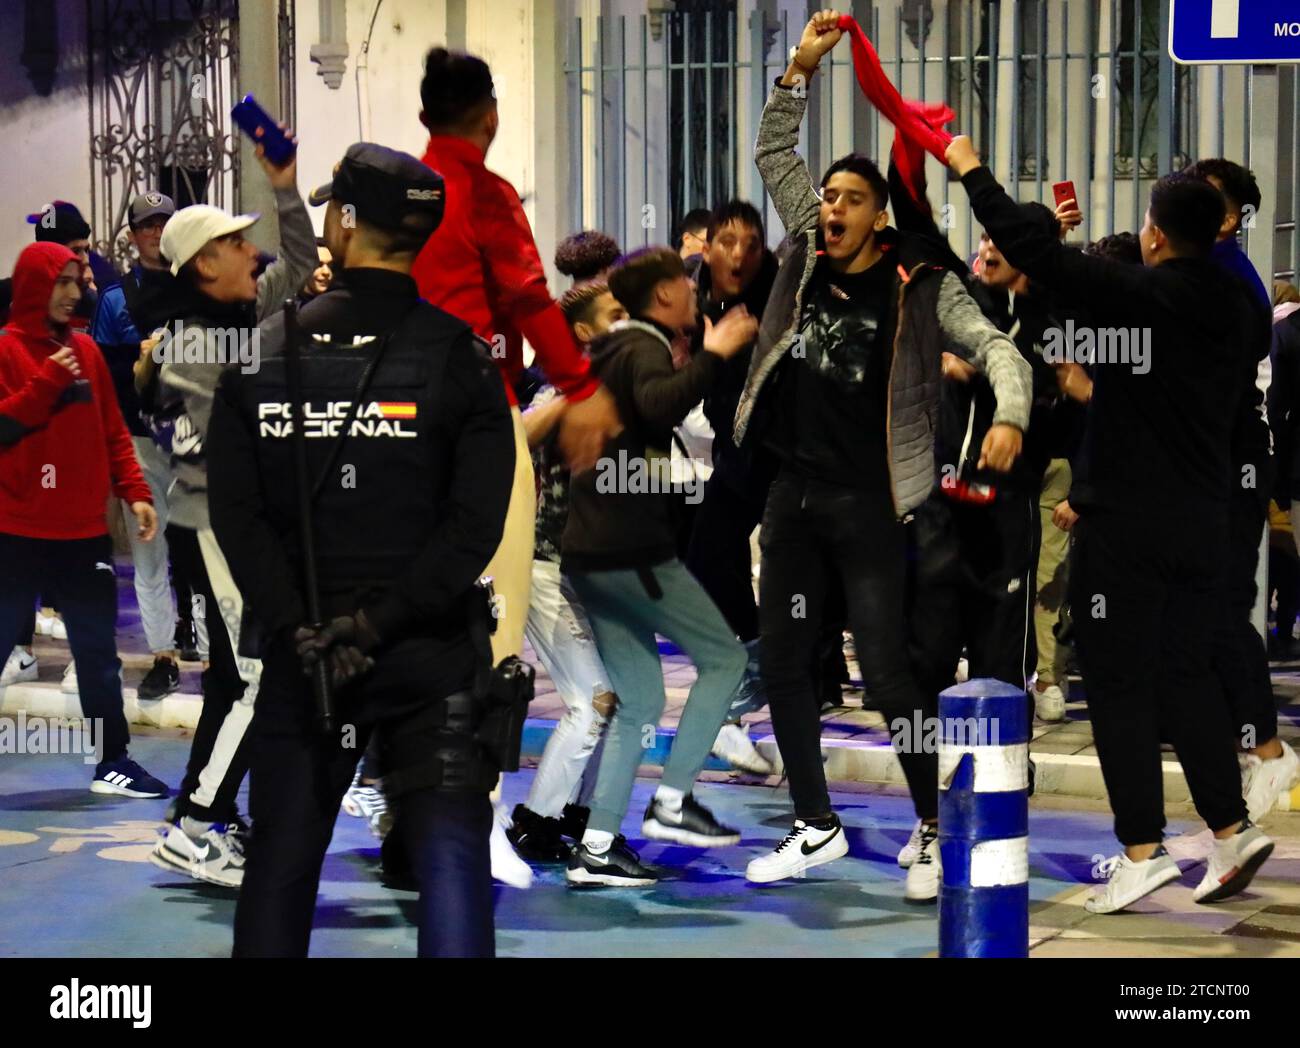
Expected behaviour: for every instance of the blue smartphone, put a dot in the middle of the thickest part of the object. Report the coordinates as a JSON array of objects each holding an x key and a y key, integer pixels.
[{"x": 258, "y": 125}]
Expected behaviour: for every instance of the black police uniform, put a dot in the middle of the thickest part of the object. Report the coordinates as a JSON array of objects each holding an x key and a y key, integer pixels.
[{"x": 410, "y": 510}]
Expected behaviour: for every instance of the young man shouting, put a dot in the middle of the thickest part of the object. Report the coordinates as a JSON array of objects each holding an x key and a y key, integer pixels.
[{"x": 843, "y": 387}]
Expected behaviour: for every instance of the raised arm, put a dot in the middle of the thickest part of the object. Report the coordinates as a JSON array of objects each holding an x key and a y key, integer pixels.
[
  {"x": 1031, "y": 242},
  {"x": 993, "y": 353},
  {"x": 297, "y": 256},
  {"x": 784, "y": 171}
]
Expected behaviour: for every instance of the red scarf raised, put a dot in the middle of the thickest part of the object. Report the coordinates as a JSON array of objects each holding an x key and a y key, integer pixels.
[{"x": 918, "y": 127}]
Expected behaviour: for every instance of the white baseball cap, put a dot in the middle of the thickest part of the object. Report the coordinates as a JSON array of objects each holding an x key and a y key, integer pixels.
[{"x": 191, "y": 227}]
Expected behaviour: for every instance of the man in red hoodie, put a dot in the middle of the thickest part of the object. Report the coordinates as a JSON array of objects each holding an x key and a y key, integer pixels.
[
  {"x": 482, "y": 265},
  {"x": 63, "y": 450}
]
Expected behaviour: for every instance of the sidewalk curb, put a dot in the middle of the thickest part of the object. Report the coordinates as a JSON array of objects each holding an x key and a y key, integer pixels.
[{"x": 847, "y": 760}]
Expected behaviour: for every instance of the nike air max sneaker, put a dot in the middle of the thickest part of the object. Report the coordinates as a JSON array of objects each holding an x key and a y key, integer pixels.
[
  {"x": 692, "y": 824},
  {"x": 618, "y": 866}
]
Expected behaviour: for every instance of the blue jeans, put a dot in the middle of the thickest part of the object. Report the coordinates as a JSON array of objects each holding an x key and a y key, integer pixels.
[
  {"x": 80, "y": 571},
  {"x": 625, "y": 617}
]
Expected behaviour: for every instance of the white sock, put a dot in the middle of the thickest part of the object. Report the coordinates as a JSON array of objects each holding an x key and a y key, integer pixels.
[
  {"x": 194, "y": 827},
  {"x": 669, "y": 798},
  {"x": 597, "y": 841}
]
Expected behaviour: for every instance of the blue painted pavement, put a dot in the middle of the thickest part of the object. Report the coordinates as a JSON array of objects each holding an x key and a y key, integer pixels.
[{"x": 74, "y": 880}]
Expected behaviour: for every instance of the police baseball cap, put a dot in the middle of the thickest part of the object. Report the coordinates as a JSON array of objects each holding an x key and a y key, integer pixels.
[
  {"x": 150, "y": 205},
  {"x": 388, "y": 188}
]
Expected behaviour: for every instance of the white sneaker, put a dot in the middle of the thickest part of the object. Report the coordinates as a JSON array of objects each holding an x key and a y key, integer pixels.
[
  {"x": 803, "y": 848},
  {"x": 1128, "y": 881},
  {"x": 507, "y": 867},
  {"x": 369, "y": 803},
  {"x": 1263, "y": 781},
  {"x": 1233, "y": 863},
  {"x": 69, "y": 685},
  {"x": 733, "y": 745},
  {"x": 912, "y": 848},
  {"x": 44, "y": 624},
  {"x": 59, "y": 630},
  {"x": 1049, "y": 704},
  {"x": 926, "y": 870},
  {"x": 20, "y": 666},
  {"x": 215, "y": 856}
]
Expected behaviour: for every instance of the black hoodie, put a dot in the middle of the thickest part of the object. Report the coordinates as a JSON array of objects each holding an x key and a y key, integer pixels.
[{"x": 621, "y": 513}]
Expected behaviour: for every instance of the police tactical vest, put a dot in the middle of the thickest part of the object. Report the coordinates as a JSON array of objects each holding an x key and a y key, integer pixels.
[{"x": 379, "y": 492}]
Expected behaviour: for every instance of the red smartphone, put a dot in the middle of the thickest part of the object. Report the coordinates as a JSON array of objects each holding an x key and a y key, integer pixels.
[{"x": 1064, "y": 191}]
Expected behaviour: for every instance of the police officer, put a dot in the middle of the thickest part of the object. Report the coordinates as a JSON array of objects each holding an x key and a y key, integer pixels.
[{"x": 410, "y": 453}]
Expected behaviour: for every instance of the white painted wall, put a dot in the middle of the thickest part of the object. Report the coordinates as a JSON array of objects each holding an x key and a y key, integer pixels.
[
  {"x": 47, "y": 140},
  {"x": 499, "y": 31},
  {"x": 328, "y": 119}
]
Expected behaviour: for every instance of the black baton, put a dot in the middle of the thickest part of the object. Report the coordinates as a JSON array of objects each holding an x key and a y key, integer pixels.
[{"x": 321, "y": 687}]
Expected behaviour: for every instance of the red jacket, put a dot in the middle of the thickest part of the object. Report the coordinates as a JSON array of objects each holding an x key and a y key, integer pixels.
[
  {"x": 63, "y": 444},
  {"x": 481, "y": 265}
]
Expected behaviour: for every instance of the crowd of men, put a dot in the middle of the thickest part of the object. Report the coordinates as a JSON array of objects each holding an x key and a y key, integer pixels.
[{"x": 927, "y": 473}]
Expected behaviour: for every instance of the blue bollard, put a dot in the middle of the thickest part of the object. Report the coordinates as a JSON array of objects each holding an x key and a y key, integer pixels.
[{"x": 984, "y": 820}]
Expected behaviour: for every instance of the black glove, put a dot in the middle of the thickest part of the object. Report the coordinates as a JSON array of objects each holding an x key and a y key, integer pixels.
[{"x": 344, "y": 643}]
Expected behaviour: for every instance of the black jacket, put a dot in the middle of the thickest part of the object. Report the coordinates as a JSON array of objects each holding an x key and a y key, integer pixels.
[
  {"x": 1160, "y": 439},
  {"x": 730, "y": 464},
  {"x": 621, "y": 514},
  {"x": 413, "y": 506}
]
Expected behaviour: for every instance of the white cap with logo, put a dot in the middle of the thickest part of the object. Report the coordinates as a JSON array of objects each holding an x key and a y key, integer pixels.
[{"x": 187, "y": 231}]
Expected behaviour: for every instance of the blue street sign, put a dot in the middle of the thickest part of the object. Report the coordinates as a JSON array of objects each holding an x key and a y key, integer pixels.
[{"x": 1234, "y": 31}]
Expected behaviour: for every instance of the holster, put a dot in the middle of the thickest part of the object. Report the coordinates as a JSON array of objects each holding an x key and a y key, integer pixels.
[
  {"x": 476, "y": 733},
  {"x": 456, "y": 762},
  {"x": 503, "y": 692},
  {"x": 503, "y": 709}
]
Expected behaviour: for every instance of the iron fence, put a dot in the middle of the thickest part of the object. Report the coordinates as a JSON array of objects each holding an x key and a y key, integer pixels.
[{"x": 663, "y": 107}]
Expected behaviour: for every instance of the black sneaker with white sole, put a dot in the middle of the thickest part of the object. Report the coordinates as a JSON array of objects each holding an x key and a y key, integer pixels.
[
  {"x": 692, "y": 824},
  {"x": 163, "y": 678},
  {"x": 125, "y": 778},
  {"x": 616, "y": 867}
]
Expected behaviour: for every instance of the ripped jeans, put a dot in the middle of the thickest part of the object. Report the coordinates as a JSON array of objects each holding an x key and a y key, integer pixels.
[{"x": 558, "y": 631}]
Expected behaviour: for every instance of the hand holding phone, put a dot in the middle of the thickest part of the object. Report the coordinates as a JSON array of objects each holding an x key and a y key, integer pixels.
[
  {"x": 1064, "y": 191},
  {"x": 277, "y": 145},
  {"x": 1068, "y": 212}
]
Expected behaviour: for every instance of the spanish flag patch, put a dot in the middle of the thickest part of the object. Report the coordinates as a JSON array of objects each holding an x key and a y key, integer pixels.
[{"x": 397, "y": 409}]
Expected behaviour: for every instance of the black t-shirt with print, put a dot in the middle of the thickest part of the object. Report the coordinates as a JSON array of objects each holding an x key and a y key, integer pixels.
[{"x": 831, "y": 410}]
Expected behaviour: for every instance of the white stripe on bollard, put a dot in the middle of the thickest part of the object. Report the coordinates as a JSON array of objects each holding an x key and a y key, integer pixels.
[
  {"x": 998, "y": 769},
  {"x": 995, "y": 863}
]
